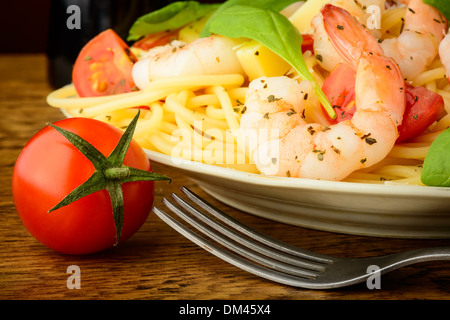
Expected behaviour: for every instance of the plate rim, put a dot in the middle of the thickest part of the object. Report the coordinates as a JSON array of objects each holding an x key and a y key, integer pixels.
[{"x": 297, "y": 183}]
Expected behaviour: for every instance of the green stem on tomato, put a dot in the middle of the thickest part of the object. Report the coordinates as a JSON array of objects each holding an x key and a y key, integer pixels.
[
  {"x": 109, "y": 174},
  {"x": 117, "y": 173},
  {"x": 96, "y": 182},
  {"x": 114, "y": 189}
]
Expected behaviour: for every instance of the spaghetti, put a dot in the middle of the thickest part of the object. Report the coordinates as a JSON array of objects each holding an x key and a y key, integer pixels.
[{"x": 197, "y": 117}]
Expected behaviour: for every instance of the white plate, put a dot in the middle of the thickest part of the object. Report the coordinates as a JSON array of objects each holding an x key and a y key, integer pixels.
[{"x": 344, "y": 207}]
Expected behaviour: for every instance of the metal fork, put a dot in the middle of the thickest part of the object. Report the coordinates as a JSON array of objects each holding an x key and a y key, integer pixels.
[{"x": 277, "y": 261}]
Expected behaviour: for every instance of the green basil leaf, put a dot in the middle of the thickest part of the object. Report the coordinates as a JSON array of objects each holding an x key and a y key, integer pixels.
[
  {"x": 271, "y": 29},
  {"x": 172, "y": 16},
  {"x": 274, "y": 5},
  {"x": 441, "y": 5},
  {"x": 436, "y": 167}
]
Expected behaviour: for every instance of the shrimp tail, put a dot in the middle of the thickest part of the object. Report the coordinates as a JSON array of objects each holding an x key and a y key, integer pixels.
[
  {"x": 350, "y": 39},
  {"x": 377, "y": 74},
  {"x": 444, "y": 53},
  {"x": 417, "y": 45}
]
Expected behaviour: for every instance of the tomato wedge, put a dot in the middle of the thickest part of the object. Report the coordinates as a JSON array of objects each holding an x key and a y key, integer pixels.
[
  {"x": 156, "y": 39},
  {"x": 339, "y": 87},
  {"x": 422, "y": 108},
  {"x": 103, "y": 66},
  {"x": 308, "y": 43}
]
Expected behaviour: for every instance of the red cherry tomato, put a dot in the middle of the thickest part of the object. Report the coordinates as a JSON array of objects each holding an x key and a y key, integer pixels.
[
  {"x": 104, "y": 66},
  {"x": 423, "y": 107},
  {"x": 156, "y": 39},
  {"x": 339, "y": 87},
  {"x": 308, "y": 43},
  {"x": 50, "y": 167}
]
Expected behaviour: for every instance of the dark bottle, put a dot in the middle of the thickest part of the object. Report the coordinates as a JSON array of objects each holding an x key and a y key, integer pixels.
[{"x": 74, "y": 22}]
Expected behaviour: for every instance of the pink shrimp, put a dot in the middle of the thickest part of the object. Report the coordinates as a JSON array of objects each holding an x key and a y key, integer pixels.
[
  {"x": 417, "y": 45},
  {"x": 444, "y": 53},
  {"x": 323, "y": 48},
  {"x": 209, "y": 55},
  {"x": 296, "y": 148}
]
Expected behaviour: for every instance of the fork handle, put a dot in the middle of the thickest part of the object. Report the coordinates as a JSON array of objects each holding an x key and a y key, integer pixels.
[{"x": 398, "y": 260}]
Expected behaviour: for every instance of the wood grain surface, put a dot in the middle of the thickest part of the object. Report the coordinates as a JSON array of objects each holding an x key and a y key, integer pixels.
[{"x": 157, "y": 263}]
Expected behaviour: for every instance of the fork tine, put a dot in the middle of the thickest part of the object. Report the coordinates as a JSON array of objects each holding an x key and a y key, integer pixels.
[
  {"x": 260, "y": 237},
  {"x": 245, "y": 252},
  {"x": 264, "y": 259},
  {"x": 240, "y": 240},
  {"x": 234, "y": 259}
]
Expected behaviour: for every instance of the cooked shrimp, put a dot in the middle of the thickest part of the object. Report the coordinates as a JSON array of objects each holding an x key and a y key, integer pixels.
[
  {"x": 365, "y": 11},
  {"x": 417, "y": 46},
  {"x": 325, "y": 52},
  {"x": 282, "y": 143},
  {"x": 209, "y": 55},
  {"x": 444, "y": 53}
]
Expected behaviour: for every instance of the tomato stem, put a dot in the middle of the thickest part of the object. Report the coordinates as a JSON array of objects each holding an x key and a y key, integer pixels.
[
  {"x": 109, "y": 173},
  {"x": 117, "y": 173},
  {"x": 114, "y": 189}
]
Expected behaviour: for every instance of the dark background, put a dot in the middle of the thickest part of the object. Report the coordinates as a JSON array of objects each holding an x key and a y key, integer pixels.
[
  {"x": 25, "y": 25},
  {"x": 39, "y": 26}
]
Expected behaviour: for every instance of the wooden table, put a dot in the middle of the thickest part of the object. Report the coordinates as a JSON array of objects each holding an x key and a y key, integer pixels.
[{"x": 157, "y": 263}]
